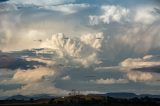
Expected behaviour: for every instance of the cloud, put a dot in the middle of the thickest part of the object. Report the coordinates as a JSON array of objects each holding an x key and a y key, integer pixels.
[
  {"x": 67, "y": 8},
  {"x": 139, "y": 38},
  {"x": 139, "y": 76},
  {"x": 31, "y": 76},
  {"x": 12, "y": 40},
  {"x": 129, "y": 34},
  {"x": 35, "y": 81},
  {"x": 40, "y": 2},
  {"x": 64, "y": 6},
  {"x": 93, "y": 40},
  {"x": 9, "y": 61},
  {"x": 147, "y": 61},
  {"x": 41, "y": 88},
  {"x": 33, "y": 28},
  {"x": 41, "y": 60},
  {"x": 145, "y": 15},
  {"x": 39, "y": 74},
  {"x": 110, "y": 81},
  {"x": 7, "y": 7},
  {"x": 111, "y": 13},
  {"x": 36, "y": 88},
  {"x": 157, "y": 10},
  {"x": 66, "y": 77},
  {"x": 3, "y": 0},
  {"x": 72, "y": 51},
  {"x": 141, "y": 69},
  {"x": 91, "y": 92}
]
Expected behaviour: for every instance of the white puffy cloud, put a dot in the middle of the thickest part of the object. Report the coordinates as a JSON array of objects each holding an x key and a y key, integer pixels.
[
  {"x": 139, "y": 76},
  {"x": 93, "y": 40},
  {"x": 72, "y": 51},
  {"x": 111, "y": 13},
  {"x": 110, "y": 81},
  {"x": 144, "y": 15}
]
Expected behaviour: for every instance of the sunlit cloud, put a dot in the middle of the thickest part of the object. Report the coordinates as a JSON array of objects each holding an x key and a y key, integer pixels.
[
  {"x": 111, "y": 14},
  {"x": 110, "y": 81},
  {"x": 53, "y": 46}
]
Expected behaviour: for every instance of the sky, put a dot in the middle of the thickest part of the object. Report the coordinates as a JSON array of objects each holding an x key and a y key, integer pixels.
[{"x": 94, "y": 46}]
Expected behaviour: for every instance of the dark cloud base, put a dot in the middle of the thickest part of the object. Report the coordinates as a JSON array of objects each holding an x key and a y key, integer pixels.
[
  {"x": 10, "y": 61},
  {"x": 155, "y": 69}
]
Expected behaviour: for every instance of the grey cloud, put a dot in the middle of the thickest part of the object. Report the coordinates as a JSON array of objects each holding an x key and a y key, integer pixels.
[
  {"x": 155, "y": 69},
  {"x": 8, "y": 61},
  {"x": 121, "y": 39},
  {"x": 3, "y": 0},
  {"x": 157, "y": 10},
  {"x": 6, "y": 87}
]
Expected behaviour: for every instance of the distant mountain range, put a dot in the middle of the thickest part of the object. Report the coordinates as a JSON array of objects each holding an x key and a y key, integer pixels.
[
  {"x": 18, "y": 97},
  {"x": 129, "y": 95},
  {"x": 35, "y": 97},
  {"x": 121, "y": 95},
  {"x": 126, "y": 95}
]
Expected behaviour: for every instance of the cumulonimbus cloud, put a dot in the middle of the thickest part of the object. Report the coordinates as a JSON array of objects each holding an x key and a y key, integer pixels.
[{"x": 72, "y": 51}]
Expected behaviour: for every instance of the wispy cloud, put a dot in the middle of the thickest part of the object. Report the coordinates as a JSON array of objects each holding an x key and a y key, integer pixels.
[
  {"x": 64, "y": 6},
  {"x": 67, "y": 8},
  {"x": 40, "y": 2}
]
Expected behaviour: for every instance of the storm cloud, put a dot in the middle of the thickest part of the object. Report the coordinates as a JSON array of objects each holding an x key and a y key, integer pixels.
[{"x": 53, "y": 46}]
